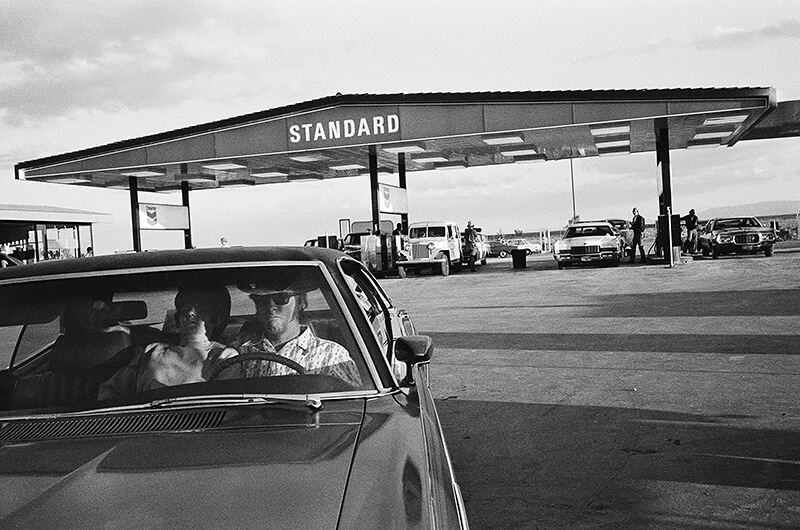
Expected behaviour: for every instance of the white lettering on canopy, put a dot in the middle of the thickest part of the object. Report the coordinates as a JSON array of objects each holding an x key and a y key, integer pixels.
[{"x": 350, "y": 128}]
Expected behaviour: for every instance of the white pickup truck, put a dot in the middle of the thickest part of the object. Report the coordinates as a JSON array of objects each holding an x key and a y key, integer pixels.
[{"x": 432, "y": 245}]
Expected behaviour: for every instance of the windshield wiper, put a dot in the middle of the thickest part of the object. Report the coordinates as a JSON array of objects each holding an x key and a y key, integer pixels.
[{"x": 313, "y": 403}]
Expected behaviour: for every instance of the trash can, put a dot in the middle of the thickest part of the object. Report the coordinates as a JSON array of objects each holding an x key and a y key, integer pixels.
[{"x": 518, "y": 257}]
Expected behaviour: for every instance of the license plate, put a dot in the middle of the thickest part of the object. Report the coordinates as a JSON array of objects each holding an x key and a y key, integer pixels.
[
  {"x": 747, "y": 247},
  {"x": 586, "y": 258}
]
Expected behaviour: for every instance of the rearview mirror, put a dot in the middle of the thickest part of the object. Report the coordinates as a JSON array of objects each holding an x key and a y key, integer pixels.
[{"x": 413, "y": 349}]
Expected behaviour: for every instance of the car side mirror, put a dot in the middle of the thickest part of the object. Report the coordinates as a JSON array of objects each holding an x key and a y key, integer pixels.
[{"x": 413, "y": 349}]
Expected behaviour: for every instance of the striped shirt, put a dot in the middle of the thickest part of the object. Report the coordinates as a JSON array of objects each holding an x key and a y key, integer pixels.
[{"x": 316, "y": 355}]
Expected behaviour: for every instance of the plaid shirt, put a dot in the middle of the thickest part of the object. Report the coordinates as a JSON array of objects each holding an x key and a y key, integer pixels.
[{"x": 316, "y": 355}]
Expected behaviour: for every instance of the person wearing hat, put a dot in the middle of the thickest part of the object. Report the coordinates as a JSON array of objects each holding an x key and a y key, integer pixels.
[
  {"x": 280, "y": 300},
  {"x": 691, "y": 231},
  {"x": 470, "y": 244},
  {"x": 201, "y": 314}
]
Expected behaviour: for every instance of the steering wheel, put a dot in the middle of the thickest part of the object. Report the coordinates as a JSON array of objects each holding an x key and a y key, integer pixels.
[{"x": 255, "y": 356}]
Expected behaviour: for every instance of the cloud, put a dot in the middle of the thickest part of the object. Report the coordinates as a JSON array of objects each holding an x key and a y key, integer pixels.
[
  {"x": 138, "y": 55},
  {"x": 722, "y": 38}
]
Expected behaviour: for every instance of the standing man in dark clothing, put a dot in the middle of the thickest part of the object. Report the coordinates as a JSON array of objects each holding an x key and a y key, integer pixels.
[
  {"x": 691, "y": 231},
  {"x": 637, "y": 224},
  {"x": 470, "y": 241}
]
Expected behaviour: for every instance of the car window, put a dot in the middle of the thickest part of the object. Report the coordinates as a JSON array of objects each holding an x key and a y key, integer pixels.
[
  {"x": 417, "y": 232},
  {"x": 113, "y": 338},
  {"x": 436, "y": 231}
]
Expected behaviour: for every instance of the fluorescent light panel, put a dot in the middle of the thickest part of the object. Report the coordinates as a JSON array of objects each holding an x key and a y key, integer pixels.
[
  {"x": 611, "y": 130},
  {"x": 504, "y": 139},
  {"x": 615, "y": 143},
  {"x": 725, "y": 120},
  {"x": 702, "y": 145},
  {"x": 522, "y": 151},
  {"x": 310, "y": 158},
  {"x": 709, "y": 135},
  {"x": 269, "y": 172},
  {"x": 430, "y": 157},
  {"x": 144, "y": 173},
  {"x": 68, "y": 180},
  {"x": 405, "y": 148},
  {"x": 345, "y": 167},
  {"x": 224, "y": 166},
  {"x": 196, "y": 177}
]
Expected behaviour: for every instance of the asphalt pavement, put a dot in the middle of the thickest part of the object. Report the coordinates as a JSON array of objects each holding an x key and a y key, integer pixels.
[{"x": 638, "y": 396}]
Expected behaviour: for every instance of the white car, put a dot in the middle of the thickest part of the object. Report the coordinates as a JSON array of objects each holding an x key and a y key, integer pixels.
[
  {"x": 524, "y": 244},
  {"x": 586, "y": 243}
]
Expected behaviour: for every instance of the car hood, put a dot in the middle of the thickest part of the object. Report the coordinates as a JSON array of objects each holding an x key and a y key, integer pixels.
[
  {"x": 590, "y": 241},
  {"x": 744, "y": 230},
  {"x": 258, "y": 467}
]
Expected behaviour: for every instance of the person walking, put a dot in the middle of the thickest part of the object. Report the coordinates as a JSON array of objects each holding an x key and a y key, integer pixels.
[
  {"x": 637, "y": 224},
  {"x": 691, "y": 231}
]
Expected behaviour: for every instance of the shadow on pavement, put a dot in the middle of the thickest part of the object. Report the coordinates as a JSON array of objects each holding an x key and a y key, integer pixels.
[
  {"x": 590, "y": 467},
  {"x": 653, "y": 342}
]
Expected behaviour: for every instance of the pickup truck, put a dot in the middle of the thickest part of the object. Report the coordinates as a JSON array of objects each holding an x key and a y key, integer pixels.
[{"x": 434, "y": 245}]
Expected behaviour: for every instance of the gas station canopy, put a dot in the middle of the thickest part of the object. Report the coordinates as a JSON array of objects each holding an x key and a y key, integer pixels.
[{"x": 332, "y": 137}]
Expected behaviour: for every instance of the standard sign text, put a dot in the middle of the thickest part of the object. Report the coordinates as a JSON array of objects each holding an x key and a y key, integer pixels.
[{"x": 348, "y": 128}]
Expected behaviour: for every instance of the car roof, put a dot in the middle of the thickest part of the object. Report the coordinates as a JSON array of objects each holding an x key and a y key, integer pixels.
[
  {"x": 590, "y": 223},
  {"x": 166, "y": 258}
]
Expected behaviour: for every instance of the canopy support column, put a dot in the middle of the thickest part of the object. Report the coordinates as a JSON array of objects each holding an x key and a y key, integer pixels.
[
  {"x": 187, "y": 233},
  {"x": 133, "y": 186},
  {"x": 401, "y": 170},
  {"x": 664, "y": 184},
  {"x": 373, "y": 189}
]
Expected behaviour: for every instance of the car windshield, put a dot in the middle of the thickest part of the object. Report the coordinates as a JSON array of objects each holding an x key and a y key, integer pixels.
[
  {"x": 739, "y": 222},
  {"x": 585, "y": 231},
  {"x": 419, "y": 232},
  {"x": 78, "y": 343}
]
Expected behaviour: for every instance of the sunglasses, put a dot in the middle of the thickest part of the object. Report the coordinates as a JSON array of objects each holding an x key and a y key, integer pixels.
[{"x": 276, "y": 298}]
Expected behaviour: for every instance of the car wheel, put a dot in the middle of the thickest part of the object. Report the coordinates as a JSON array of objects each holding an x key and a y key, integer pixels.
[
  {"x": 503, "y": 253},
  {"x": 528, "y": 252},
  {"x": 445, "y": 267},
  {"x": 401, "y": 271},
  {"x": 714, "y": 253},
  {"x": 483, "y": 261},
  {"x": 768, "y": 251}
]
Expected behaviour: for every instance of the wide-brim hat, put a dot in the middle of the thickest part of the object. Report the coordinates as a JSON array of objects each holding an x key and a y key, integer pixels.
[{"x": 281, "y": 281}]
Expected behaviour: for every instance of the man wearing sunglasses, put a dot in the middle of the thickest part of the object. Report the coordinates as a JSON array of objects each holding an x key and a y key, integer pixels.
[{"x": 279, "y": 310}]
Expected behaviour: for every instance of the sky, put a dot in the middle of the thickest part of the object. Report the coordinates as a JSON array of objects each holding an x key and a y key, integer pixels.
[{"x": 80, "y": 74}]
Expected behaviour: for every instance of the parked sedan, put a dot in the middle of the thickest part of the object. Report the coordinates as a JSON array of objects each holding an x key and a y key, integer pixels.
[
  {"x": 524, "y": 244},
  {"x": 216, "y": 388},
  {"x": 736, "y": 235},
  {"x": 587, "y": 243}
]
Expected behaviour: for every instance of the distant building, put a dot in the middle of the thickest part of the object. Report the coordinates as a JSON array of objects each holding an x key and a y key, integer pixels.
[{"x": 36, "y": 233}]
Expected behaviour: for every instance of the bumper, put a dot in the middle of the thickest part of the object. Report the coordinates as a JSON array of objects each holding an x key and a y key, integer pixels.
[
  {"x": 603, "y": 257},
  {"x": 735, "y": 248}
]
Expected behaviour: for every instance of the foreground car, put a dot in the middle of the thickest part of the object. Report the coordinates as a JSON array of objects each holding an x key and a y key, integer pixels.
[
  {"x": 736, "y": 235},
  {"x": 586, "y": 243},
  {"x": 348, "y": 439}
]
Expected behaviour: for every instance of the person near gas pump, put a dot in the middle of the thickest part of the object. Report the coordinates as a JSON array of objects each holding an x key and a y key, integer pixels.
[
  {"x": 470, "y": 244},
  {"x": 691, "y": 222},
  {"x": 637, "y": 224}
]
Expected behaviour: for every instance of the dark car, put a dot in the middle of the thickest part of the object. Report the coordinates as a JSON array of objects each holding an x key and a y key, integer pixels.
[
  {"x": 98, "y": 430},
  {"x": 736, "y": 235},
  {"x": 499, "y": 248}
]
